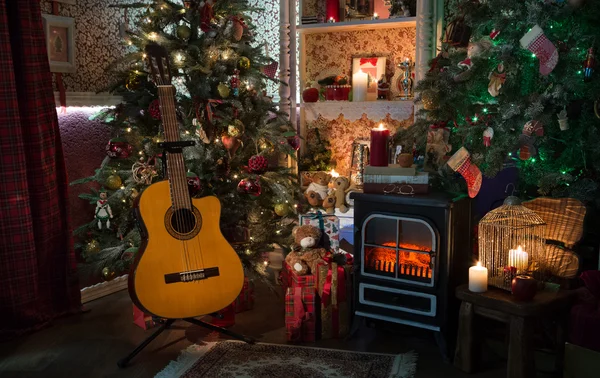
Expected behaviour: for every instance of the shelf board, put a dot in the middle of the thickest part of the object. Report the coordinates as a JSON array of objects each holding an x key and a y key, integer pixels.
[
  {"x": 389, "y": 23},
  {"x": 399, "y": 110}
]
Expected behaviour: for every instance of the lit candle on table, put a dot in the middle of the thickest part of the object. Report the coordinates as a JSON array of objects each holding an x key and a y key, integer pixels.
[
  {"x": 359, "y": 86},
  {"x": 379, "y": 146},
  {"x": 519, "y": 259},
  {"x": 478, "y": 277}
]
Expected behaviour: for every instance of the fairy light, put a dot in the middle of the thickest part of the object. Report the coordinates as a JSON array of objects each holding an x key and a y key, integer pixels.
[
  {"x": 225, "y": 55},
  {"x": 141, "y": 152},
  {"x": 295, "y": 206},
  {"x": 129, "y": 43},
  {"x": 122, "y": 187},
  {"x": 179, "y": 58},
  {"x": 533, "y": 160},
  {"x": 235, "y": 176},
  {"x": 153, "y": 36},
  {"x": 563, "y": 172},
  {"x": 533, "y": 55},
  {"x": 124, "y": 201},
  {"x": 475, "y": 119},
  {"x": 144, "y": 56},
  {"x": 148, "y": 20},
  {"x": 266, "y": 262},
  {"x": 137, "y": 72},
  {"x": 128, "y": 129},
  {"x": 182, "y": 10},
  {"x": 485, "y": 110}
]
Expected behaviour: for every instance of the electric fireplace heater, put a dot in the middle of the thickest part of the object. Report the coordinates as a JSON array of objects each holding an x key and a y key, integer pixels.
[{"x": 410, "y": 255}]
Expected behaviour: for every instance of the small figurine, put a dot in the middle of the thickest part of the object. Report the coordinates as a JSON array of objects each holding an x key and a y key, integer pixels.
[
  {"x": 497, "y": 78},
  {"x": 103, "y": 211},
  {"x": 588, "y": 65},
  {"x": 383, "y": 88}
]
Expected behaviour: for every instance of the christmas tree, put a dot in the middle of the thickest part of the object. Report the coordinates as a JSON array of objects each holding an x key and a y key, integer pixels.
[
  {"x": 220, "y": 76},
  {"x": 515, "y": 84}
]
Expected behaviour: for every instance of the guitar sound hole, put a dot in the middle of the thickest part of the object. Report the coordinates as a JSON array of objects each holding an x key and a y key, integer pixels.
[{"x": 183, "y": 221}]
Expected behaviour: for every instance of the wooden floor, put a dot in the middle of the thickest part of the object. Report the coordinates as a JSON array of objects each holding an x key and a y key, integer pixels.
[{"x": 88, "y": 345}]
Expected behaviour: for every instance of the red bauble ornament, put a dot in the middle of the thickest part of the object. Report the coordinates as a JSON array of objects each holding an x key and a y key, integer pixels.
[
  {"x": 294, "y": 142},
  {"x": 194, "y": 183},
  {"x": 258, "y": 164},
  {"x": 310, "y": 95},
  {"x": 118, "y": 148},
  {"x": 524, "y": 288},
  {"x": 154, "y": 109},
  {"x": 250, "y": 187}
]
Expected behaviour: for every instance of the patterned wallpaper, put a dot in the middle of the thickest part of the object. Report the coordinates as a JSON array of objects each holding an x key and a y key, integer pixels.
[
  {"x": 98, "y": 42},
  {"x": 325, "y": 56}
]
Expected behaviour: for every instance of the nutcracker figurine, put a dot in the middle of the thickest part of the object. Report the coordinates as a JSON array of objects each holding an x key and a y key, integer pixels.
[
  {"x": 235, "y": 82},
  {"x": 103, "y": 211},
  {"x": 589, "y": 65}
]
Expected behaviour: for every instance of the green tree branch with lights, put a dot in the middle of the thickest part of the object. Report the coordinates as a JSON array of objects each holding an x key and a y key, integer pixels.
[
  {"x": 220, "y": 75},
  {"x": 503, "y": 82}
]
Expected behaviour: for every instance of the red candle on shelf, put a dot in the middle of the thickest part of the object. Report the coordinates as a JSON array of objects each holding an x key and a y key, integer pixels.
[
  {"x": 332, "y": 10},
  {"x": 379, "y": 147}
]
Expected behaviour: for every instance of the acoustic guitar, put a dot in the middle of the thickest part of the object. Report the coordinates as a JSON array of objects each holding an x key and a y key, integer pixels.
[{"x": 185, "y": 267}]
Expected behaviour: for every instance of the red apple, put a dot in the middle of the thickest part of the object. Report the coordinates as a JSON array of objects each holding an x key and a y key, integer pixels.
[
  {"x": 310, "y": 95},
  {"x": 524, "y": 288}
]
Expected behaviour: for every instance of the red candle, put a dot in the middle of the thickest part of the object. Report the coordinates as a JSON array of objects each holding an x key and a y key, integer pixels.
[
  {"x": 379, "y": 146},
  {"x": 332, "y": 10}
]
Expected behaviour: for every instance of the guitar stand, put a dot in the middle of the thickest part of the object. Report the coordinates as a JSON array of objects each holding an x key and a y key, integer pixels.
[{"x": 123, "y": 362}]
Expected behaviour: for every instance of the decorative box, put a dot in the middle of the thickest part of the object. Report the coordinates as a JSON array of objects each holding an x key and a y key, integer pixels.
[
  {"x": 289, "y": 278},
  {"x": 301, "y": 308},
  {"x": 142, "y": 319},
  {"x": 329, "y": 225},
  {"x": 335, "y": 294},
  {"x": 347, "y": 218},
  {"x": 245, "y": 301}
]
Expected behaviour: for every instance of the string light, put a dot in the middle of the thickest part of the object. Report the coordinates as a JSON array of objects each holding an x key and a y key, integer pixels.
[
  {"x": 187, "y": 132},
  {"x": 137, "y": 72},
  {"x": 533, "y": 55},
  {"x": 179, "y": 58},
  {"x": 128, "y": 129},
  {"x": 485, "y": 110},
  {"x": 124, "y": 201},
  {"x": 153, "y": 36},
  {"x": 122, "y": 187},
  {"x": 182, "y": 10},
  {"x": 129, "y": 43},
  {"x": 141, "y": 152},
  {"x": 235, "y": 176},
  {"x": 148, "y": 20},
  {"x": 144, "y": 56}
]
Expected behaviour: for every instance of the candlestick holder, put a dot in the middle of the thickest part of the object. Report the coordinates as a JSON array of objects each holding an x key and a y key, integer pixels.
[{"x": 405, "y": 84}]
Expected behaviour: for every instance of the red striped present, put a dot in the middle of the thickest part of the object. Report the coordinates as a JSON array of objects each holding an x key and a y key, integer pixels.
[
  {"x": 301, "y": 314},
  {"x": 289, "y": 278},
  {"x": 245, "y": 301}
]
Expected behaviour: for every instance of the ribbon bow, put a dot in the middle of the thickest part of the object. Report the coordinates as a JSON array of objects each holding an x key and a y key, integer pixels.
[
  {"x": 373, "y": 61},
  {"x": 318, "y": 215}
]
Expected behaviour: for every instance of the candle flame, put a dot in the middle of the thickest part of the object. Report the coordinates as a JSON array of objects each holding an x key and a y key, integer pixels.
[
  {"x": 519, "y": 249},
  {"x": 479, "y": 264},
  {"x": 375, "y": 14},
  {"x": 334, "y": 173},
  {"x": 381, "y": 127}
]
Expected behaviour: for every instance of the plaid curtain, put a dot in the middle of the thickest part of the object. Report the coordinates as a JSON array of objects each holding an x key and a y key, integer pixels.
[{"x": 37, "y": 262}]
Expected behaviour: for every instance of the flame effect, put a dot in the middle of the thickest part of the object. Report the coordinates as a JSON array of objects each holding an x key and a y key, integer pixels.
[{"x": 411, "y": 263}]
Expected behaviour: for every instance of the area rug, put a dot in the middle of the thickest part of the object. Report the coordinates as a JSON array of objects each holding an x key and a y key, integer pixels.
[{"x": 229, "y": 359}]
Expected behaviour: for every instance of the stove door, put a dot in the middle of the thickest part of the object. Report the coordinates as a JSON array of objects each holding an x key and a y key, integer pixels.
[{"x": 399, "y": 248}]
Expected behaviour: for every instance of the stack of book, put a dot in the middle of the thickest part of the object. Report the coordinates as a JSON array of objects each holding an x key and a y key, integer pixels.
[
  {"x": 307, "y": 20},
  {"x": 395, "y": 179}
]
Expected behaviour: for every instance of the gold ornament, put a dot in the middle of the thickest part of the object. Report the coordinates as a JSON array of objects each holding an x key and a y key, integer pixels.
[
  {"x": 430, "y": 99},
  {"x": 237, "y": 129},
  {"x": 108, "y": 274},
  {"x": 282, "y": 209},
  {"x": 244, "y": 62},
  {"x": 223, "y": 90},
  {"x": 113, "y": 182},
  {"x": 92, "y": 247},
  {"x": 184, "y": 32}
]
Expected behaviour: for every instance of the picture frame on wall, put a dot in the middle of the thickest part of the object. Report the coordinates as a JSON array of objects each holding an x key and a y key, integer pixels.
[
  {"x": 374, "y": 67},
  {"x": 60, "y": 41}
]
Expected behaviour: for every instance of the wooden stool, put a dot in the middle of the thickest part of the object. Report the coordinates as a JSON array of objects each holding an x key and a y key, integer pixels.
[{"x": 522, "y": 316}]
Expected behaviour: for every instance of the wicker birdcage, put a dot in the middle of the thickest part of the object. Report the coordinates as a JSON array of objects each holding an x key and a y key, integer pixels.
[{"x": 511, "y": 242}]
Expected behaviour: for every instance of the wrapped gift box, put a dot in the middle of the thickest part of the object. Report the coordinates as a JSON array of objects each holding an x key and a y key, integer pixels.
[
  {"x": 334, "y": 287},
  {"x": 346, "y": 219},
  {"x": 329, "y": 225},
  {"x": 289, "y": 278},
  {"x": 142, "y": 319},
  {"x": 245, "y": 301},
  {"x": 301, "y": 308}
]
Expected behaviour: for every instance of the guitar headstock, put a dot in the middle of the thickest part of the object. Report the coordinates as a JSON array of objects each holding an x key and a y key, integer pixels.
[{"x": 158, "y": 60}]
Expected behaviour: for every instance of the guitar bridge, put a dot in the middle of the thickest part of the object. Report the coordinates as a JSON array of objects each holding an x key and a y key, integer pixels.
[{"x": 191, "y": 275}]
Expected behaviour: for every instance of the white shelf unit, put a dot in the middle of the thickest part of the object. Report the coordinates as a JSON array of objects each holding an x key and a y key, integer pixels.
[
  {"x": 354, "y": 110},
  {"x": 357, "y": 25}
]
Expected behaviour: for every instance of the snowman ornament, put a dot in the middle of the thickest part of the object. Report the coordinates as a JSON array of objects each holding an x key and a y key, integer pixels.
[{"x": 103, "y": 212}]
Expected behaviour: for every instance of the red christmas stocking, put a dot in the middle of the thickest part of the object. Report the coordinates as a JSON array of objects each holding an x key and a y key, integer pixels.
[
  {"x": 536, "y": 41},
  {"x": 461, "y": 162}
]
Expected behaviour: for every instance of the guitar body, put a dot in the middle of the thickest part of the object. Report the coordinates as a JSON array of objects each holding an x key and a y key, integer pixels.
[{"x": 174, "y": 275}]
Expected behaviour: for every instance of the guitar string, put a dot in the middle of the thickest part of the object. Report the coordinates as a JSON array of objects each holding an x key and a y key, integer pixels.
[
  {"x": 170, "y": 165},
  {"x": 176, "y": 183}
]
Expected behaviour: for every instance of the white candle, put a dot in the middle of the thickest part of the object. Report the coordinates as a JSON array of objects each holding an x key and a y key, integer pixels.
[
  {"x": 478, "y": 277},
  {"x": 359, "y": 86},
  {"x": 519, "y": 259}
]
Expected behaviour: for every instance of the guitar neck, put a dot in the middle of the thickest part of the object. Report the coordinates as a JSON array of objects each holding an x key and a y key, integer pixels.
[{"x": 176, "y": 166}]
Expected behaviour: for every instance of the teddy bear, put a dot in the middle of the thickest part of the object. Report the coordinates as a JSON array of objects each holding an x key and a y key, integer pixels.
[
  {"x": 305, "y": 254},
  {"x": 318, "y": 189},
  {"x": 329, "y": 203},
  {"x": 341, "y": 186}
]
